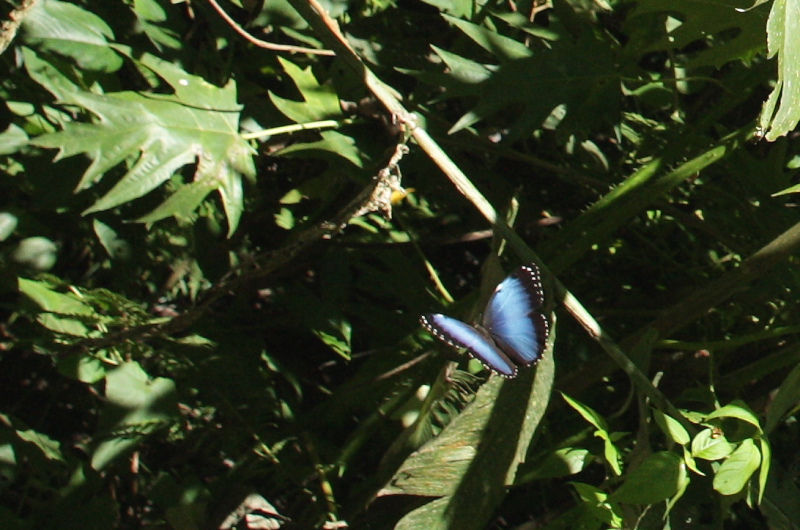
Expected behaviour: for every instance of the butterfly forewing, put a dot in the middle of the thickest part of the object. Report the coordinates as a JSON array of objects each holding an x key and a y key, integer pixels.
[{"x": 460, "y": 335}]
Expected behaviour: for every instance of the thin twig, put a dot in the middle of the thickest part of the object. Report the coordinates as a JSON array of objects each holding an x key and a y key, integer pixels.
[{"x": 262, "y": 43}]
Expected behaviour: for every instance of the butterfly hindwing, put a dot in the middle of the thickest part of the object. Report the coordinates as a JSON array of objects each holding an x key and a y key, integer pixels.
[
  {"x": 510, "y": 316},
  {"x": 460, "y": 335}
]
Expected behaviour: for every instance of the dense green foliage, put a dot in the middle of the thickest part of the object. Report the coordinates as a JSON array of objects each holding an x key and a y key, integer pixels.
[{"x": 217, "y": 237}]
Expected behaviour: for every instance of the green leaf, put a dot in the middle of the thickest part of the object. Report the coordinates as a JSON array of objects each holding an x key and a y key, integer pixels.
[
  {"x": 684, "y": 483},
  {"x": 785, "y": 399},
  {"x": 728, "y": 32},
  {"x": 323, "y": 318},
  {"x": 116, "y": 247},
  {"x": 424, "y": 515},
  {"x": 336, "y": 336},
  {"x": 49, "y": 447},
  {"x": 8, "y": 459},
  {"x": 457, "y": 8},
  {"x": 463, "y": 70},
  {"x": 766, "y": 460},
  {"x": 136, "y": 406},
  {"x": 672, "y": 428},
  {"x": 709, "y": 445},
  {"x": 596, "y": 502},
  {"x": 71, "y": 31},
  {"x": 691, "y": 463},
  {"x": 610, "y": 450},
  {"x": 736, "y": 470},
  {"x": 12, "y": 139},
  {"x": 198, "y": 123},
  {"x": 504, "y": 48},
  {"x": 320, "y": 102},
  {"x": 658, "y": 478},
  {"x": 587, "y": 412},
  {"x": 515, "y": 19},
  {"x": 84, "y": 368},
  {"x": 338, "y": 144},
  {"x": 574, "y": 83},
  {"x": 181, "y": 203},
  {"x": 53, "y": 301},
  {"x": 38, "y": 253},
  {"x": 8, "y": 223},
  {"x": 476, "y": 456},
  {"x": 159, "y": 22},
  {"x": 740, "y": 412},
  {"x": 561, "y": 463},
  {"x": 67, "y": 326},
  {"x": 783, "y": 26}
]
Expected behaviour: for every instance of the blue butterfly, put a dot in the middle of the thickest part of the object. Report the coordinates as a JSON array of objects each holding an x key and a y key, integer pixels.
[{"x": 511, "y": 333}]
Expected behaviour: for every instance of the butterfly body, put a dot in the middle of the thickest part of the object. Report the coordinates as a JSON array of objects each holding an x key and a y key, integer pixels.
[{"x": 511, "y": 332}]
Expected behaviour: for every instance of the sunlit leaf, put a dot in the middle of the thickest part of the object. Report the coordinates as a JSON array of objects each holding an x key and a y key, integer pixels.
[
  {"x": 8, "y": 223},
  {"x": 596, "y": 501},
  {"x": 69, "y": 30},
  {"x": 563, "y": 462},
  {"x": 588, "y": 413},
  {"x": 159, "y": 22},
  {"x": 736, "y": 470},
  {"x": 782, "y": 30},
  {"x": 116, "y": 247},
  {"x": 68, "y": 326},
  {"x": 84, "y": 368},
  {"x": 672, "y": 428},
  {"x": 320, "y": 102},
  {"x": 12, "y": 139},
  {"x": 709, "y": 445},
  {"x": 570, "y": 78},
  {"x": 610, "y": 450},
  {"x": 504, "y": 48},
  {"x": 137, "y": 405},
  {"x": 198, "y": 123},
  {"x": 38, "y": 253},
  {"x": 766, "y": 462},
  {"x": 50, "y": 448},
  {"x": 657, "y": 479},
  {"x": 738, "y": 411},
  {"x": 54, "y": 301},
  {"x": 728, "y": 32}
]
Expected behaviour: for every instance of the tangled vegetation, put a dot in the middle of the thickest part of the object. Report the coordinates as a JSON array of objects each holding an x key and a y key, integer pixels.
[{"x": 220, "y": 223}]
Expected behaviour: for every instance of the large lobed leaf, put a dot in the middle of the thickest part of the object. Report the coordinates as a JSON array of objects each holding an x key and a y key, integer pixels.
[{"x": 159, "y": 133}]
